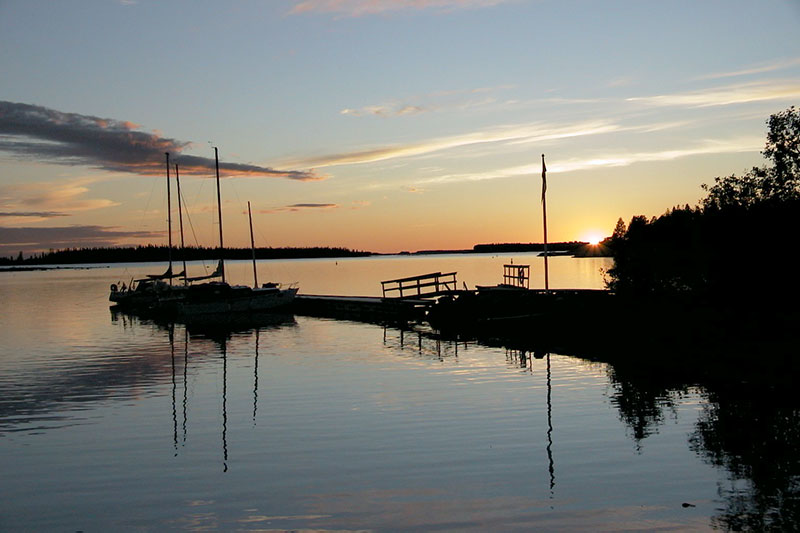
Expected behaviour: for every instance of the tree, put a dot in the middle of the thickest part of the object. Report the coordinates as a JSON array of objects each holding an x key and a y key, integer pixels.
[
  {"x": 783, "y": 149},
  {"x": 778, "y": 183},
  {"x": 619, "y": 230},
  {"x": 752, "y": 218}
]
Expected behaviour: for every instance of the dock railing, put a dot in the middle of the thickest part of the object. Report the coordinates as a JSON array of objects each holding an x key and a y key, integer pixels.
[
  {"x": 424, "y": 286},
  {"x": 517, "y": 275}
]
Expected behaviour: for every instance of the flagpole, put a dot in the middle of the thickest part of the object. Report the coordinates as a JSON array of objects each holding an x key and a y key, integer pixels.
[{"x": 544, "y": 216}]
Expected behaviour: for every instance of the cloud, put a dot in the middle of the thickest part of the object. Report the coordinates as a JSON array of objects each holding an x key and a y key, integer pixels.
[
  {"x": 720, "y": 96},
  {"x": 356, "y": 8},
  {"x": 44, "y": 134},
  {"x": 299, "y": 207},
  {"x": 294, "y": 208},
  {"x": 459, "y": 100},
  {"x": 387, "y": 110},
  {"x": 30, "y": 240},
  {"x": 521, "y": 133},
  {"x": 769, "y": 67},
  {"x": 744, "y": 144},
  {"x": 50, "y": 199},
  {"x": 36, "y": 214}
]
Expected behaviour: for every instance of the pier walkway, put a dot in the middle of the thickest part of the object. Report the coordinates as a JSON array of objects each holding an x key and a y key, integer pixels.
[{"x": 404, "y": 300}]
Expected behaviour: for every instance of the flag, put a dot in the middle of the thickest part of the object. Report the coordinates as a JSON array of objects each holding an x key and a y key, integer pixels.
[{"x": 544, "y": 178}]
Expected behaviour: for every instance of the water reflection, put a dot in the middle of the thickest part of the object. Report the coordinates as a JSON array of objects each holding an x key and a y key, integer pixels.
[
  {"x": 255, "y": 379},
  {"x": 35, "y": 400},
  {"x": 551, "y": 463},
  {"x": 644, "y": 399},
  {"x": 425, "y": 343},
  {"x": 748, "y": 427},
  {"x": 752, "y": 431},
  {"x": 224, "y": 348},
  {"x": 746, "y": 423}
]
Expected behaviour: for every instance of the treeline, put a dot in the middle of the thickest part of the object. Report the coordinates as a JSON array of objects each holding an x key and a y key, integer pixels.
[
  {"x": 737, "y": 244},
  {"x": 153, "y": 253},
  {"x": 570, "y": 246}
]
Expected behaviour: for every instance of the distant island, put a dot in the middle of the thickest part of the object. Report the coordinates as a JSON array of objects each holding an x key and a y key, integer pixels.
[{"x": 159, "y": 253}]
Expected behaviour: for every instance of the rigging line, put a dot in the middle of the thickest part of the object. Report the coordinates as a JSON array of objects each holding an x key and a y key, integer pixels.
[
  {"x": 191, "y": 226},
  {"x": 263, "y": 237},
  {"x": 264, "y": 240},
  {"x": 147, "y": 205},
  {"x": 236, "y": 192},
  {"x": 144, "y": 213}
]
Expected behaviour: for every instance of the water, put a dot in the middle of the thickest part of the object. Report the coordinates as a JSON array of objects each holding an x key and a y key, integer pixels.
[{"x": 110, "y": 423}]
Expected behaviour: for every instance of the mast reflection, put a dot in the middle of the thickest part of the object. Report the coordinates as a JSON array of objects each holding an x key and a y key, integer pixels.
[
  {"x": 174, "y": 390},
  {"x": 551, "y": 463},
  {"x": 225, "y": 404},
  {"x": 255, "y": 380}
]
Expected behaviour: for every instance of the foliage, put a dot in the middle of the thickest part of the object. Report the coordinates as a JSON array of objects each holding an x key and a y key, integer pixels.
[
  {"x": 778, "y": 183},
  {"x": 736, "y": 241}
]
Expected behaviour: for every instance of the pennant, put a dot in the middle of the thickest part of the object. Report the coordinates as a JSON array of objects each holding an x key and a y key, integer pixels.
[{"x": 544, "y": 178}]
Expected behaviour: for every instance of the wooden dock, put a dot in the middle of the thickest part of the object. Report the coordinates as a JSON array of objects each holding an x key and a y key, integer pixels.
[
  {"x": 404, "y": 300},
  {"x": 424, "y": 286},
  {"x": 363, "y": 308}
]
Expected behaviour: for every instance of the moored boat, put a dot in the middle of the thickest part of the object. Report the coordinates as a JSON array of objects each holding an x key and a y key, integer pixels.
[
  {"x": 219, "y": 297},
  {"x": 140, "y": 294}
]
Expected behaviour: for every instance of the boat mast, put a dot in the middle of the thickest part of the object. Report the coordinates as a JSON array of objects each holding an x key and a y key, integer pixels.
[
  {"x": 180, "y": 220},
  {"x": 169, "y": 222},
  {"x": 219, "y": 211},
  {"x": 252, "y": 246}
]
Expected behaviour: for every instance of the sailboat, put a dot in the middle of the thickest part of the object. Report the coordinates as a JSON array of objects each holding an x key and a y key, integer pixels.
[
  {"x": 211, "y": 298},
  {"x": 142, "y": 293}
]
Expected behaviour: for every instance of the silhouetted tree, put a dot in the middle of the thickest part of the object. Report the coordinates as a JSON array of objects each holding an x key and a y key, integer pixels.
[
  {"x": 778, "y": 183},
  {"x": 732, "y": 245},
  {"x": 619, "y": 230}
]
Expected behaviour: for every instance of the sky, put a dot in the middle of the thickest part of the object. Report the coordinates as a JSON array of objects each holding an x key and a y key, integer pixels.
[{"x": 378, "y": 125}]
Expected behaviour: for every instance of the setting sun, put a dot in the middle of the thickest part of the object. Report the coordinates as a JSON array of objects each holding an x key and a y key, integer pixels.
[{"x": 593, "y": 238}]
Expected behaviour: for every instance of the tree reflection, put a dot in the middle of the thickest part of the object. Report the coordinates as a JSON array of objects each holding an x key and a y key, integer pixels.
[
  {"x": 753, "y": 432},
  {"x": 749, "y": 427},
  {"x": 644, "y": 397}
]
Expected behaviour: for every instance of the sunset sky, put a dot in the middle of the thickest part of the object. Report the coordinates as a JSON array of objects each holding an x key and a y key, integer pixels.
[{"x": 379, "y": 125}]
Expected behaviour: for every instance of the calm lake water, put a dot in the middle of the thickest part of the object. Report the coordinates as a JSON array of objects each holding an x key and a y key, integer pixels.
[{"x": 111, "y": 423}]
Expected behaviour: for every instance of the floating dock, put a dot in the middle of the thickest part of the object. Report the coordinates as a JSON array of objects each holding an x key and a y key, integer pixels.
[
  {"x": 362, "y": 308},
  {"x": 404, "y": 300}
]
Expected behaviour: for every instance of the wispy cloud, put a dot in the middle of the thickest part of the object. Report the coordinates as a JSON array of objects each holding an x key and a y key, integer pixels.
[
  {"x": 27, "y": 217},
  {"x": 720, "y": 96},
  {"x": 293, "y": 208},
  {"x": 458, "y": 100},
  {"x": 26, "y": 239},
  {"x": 744, "y": 144},
  {"x": 35, "y": 214},
  {"x": 524, "y": 133},
  {"x": 356, "y": 8},
  {"x": 44, "y": 134},
  {"x": 385, "y": 110},
  {"x": 757, "y": 69},
  {"x": 50, "y": 199}
]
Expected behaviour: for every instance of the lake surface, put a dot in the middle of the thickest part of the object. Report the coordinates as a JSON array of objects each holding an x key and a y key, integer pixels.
[{"x": 112, "y": 423}]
